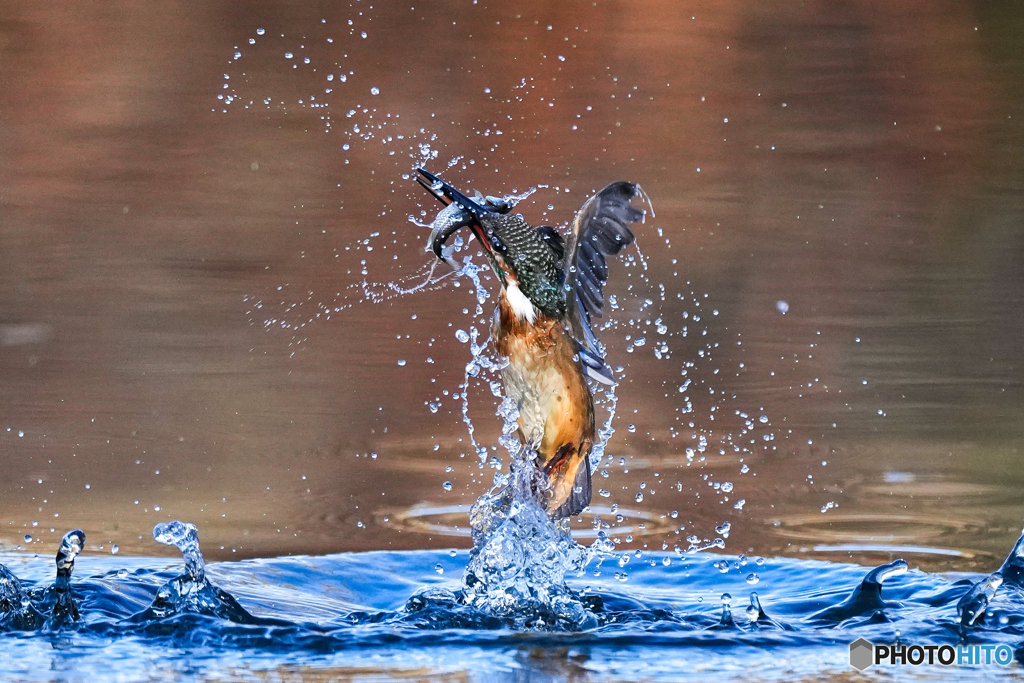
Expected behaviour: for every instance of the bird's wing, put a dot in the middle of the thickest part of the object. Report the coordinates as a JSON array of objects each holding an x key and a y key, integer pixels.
[{"x": 601, "y": 228}]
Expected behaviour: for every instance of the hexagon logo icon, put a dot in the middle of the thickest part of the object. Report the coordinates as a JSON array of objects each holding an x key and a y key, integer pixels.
[{"x": 861, "y": 654}]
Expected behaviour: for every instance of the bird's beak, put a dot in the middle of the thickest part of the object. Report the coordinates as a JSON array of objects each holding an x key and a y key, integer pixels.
[{"x": 435, "y": 187}]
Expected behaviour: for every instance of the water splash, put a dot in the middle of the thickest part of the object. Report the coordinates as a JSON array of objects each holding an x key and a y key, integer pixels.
[
  {"x": 1012, "y": 569},
  {"x": 520, "y": 555},
  {"x": 972, "y": 606},
  {"x": 866, "y": 597},
  {"x": 725, "y": 622},
  {"x": 17, "y": 613},
  {"x": 759, "y": 620},
  {"x": 192, "y": 592},
  {"x": 65, "y": 610},
  {"x": 519, "y": 561},
  {"x": 185, "y": 537}
]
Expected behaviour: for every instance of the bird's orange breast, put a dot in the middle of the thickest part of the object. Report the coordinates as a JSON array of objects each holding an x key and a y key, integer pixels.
[{"x": 556, "y": 410}]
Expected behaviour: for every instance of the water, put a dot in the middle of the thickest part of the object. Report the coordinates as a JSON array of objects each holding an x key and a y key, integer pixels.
[
  {"x": 391, "y": 613},
  {"x": 196, "y": 244},
  {"x": 170, "y": 275}
]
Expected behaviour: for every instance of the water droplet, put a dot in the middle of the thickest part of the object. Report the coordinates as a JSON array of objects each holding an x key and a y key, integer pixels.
[
  {"x": 252, "y": 41},
  {"x": 28, "y": 538},
  {"x": 438, "y": 568},
  {"x": 752, "y": 579},
  {"x": 639, "y": 497},
  {"x": 763, "y": 419},
  {"x": 782, "y": 307},
  {"x": 640, "y": 341},
  {"x": 462, "y": 336},
  {"x": 88, "y": 486},
  {"x": 306, "y": 60},
  {"x": 631, "y": 429},
  {"x": 374, "y": 91},
  {"x": 447, "y": 486},
  {"x": 330, "y": 77},
  {"x": 288, "y": 55},
  {"x": 401, "y": 363},
  {"x": 723, "y": 530},
  {"x": 260, "y": 31},
  {"x": 114, "y": 550},
  {"x": 363, "y": 34}
]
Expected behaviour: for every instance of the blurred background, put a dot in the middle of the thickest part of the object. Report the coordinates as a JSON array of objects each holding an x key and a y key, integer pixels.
[{"x": 205, "y": 232}]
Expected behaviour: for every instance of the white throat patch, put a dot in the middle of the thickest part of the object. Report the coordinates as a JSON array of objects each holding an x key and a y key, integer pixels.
[{"x": 519, "y": 304}]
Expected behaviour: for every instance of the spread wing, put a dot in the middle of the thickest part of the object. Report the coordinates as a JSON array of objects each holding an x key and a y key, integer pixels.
[{"x": 600, "y": 229}]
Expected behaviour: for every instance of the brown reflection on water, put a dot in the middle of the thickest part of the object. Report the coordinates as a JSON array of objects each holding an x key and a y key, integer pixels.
[{"x": 183, "y": 325}]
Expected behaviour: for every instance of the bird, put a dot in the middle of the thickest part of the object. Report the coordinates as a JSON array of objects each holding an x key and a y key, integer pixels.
[{"x": 551, "y": 292}]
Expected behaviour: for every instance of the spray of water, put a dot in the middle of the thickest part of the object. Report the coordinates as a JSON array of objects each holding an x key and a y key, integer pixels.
[
  {"x": 65, "y": 610},
  {"x": 17, "y": 613},
  {"x": 192, "y": 592}
]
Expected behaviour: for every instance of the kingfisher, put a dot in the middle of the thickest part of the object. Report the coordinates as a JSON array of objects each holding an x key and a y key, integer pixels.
[{"x": 551, "y": 291}]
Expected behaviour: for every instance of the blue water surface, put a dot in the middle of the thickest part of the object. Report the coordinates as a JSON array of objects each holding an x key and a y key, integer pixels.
[{"x": 390, "y": 615}]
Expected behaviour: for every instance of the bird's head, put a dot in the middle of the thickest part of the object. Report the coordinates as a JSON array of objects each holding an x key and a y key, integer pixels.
[{"x": 526, "y": 260}]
